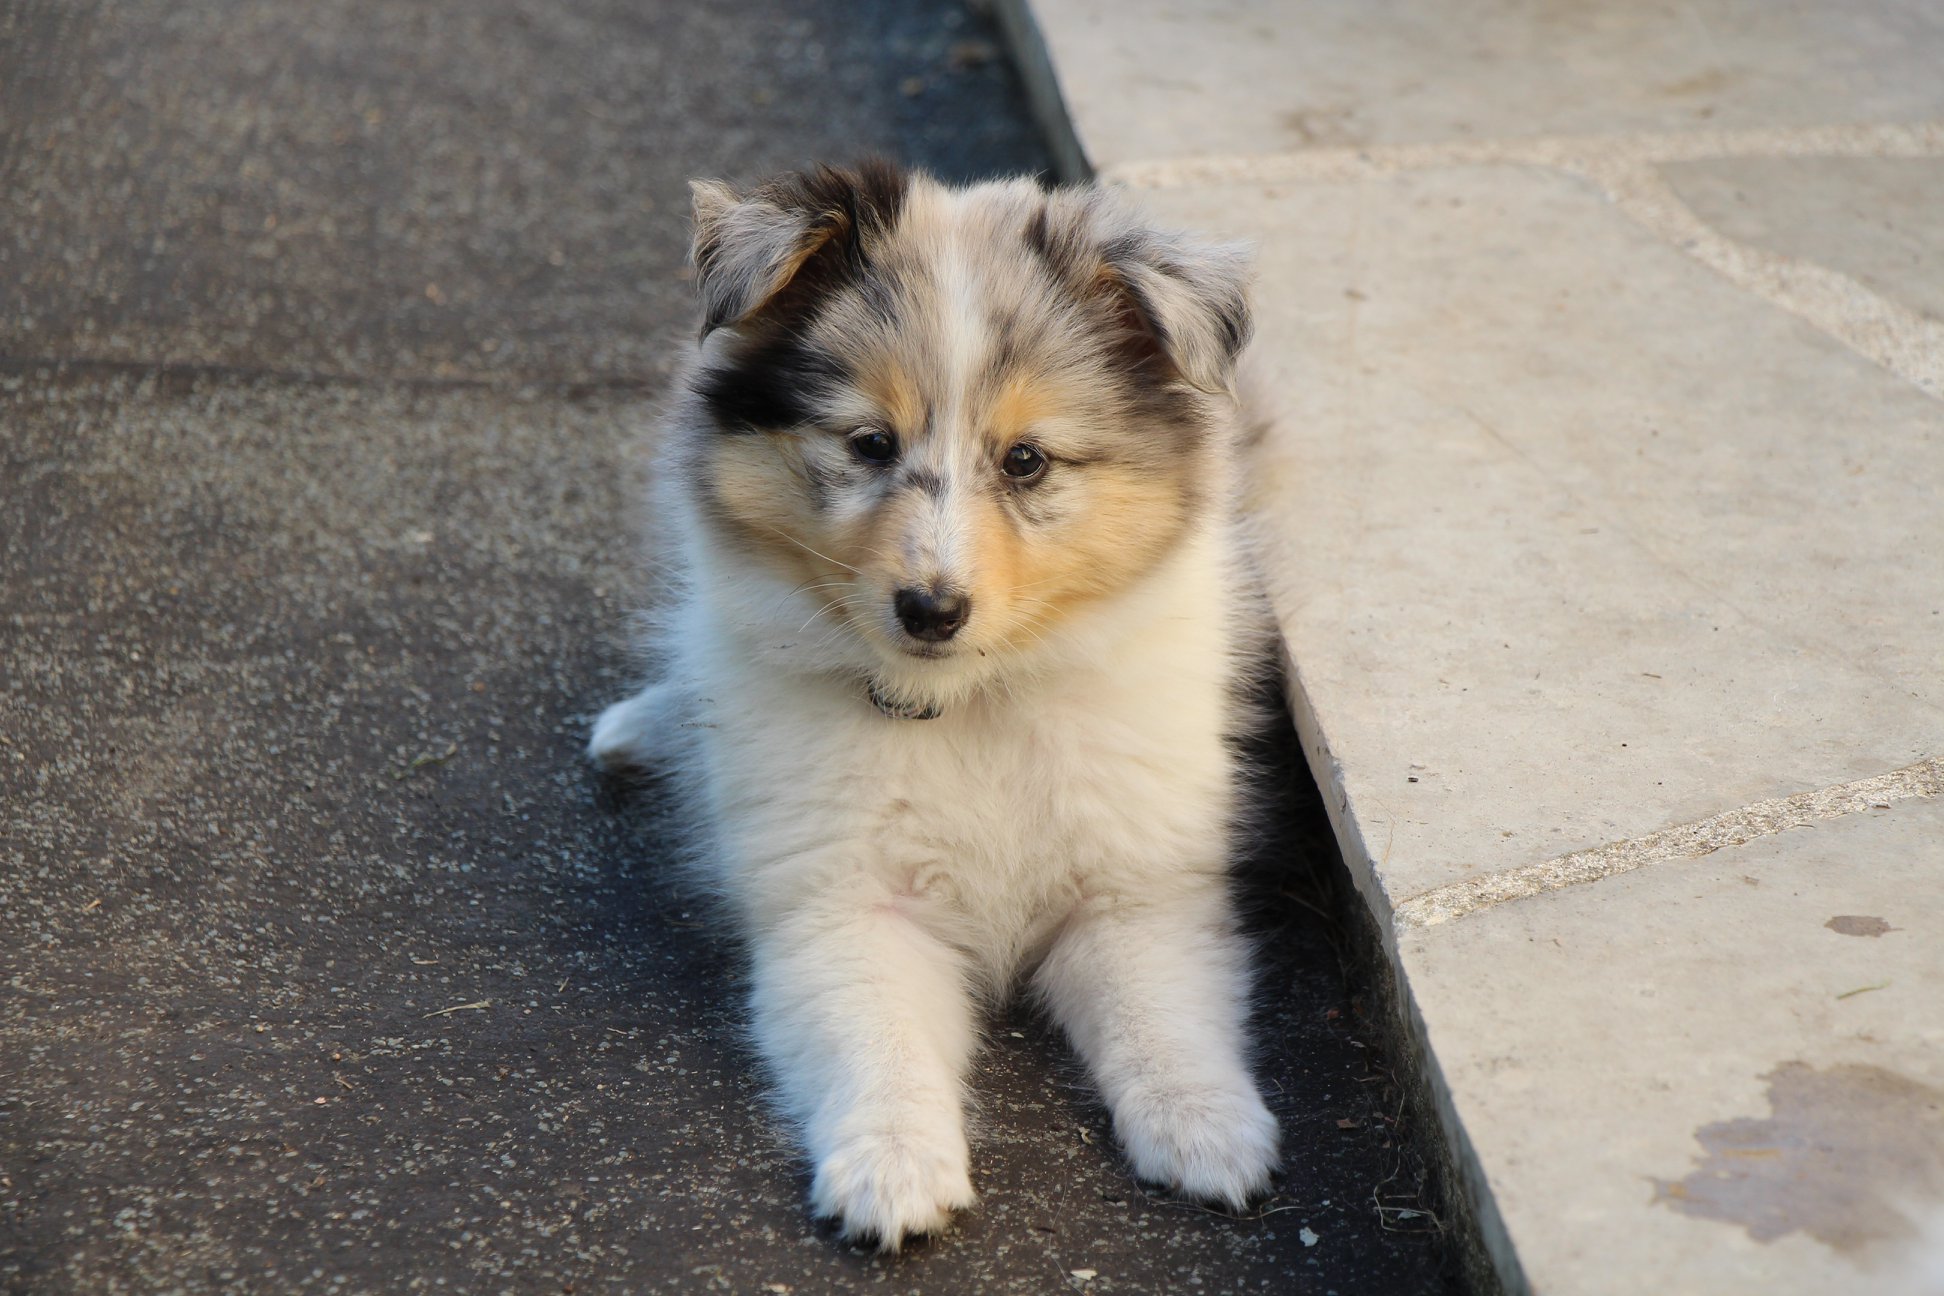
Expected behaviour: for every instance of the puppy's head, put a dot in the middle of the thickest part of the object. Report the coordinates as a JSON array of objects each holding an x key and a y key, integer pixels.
[{"x": 952, "y": 420}]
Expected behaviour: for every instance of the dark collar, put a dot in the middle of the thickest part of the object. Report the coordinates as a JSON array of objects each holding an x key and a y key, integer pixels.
[{"x": 899, "y": 710}]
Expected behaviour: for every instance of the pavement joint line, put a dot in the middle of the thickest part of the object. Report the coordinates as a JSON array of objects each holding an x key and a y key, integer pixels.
[
  {"x": 1626, "y": 169},
  {"x": 1901, "y": 340},
  {"x": 1685, "y": 841},
  {"x": 1923, "y": 139}
]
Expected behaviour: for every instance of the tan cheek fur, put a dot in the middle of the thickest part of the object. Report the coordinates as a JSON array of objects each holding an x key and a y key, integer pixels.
[
  {"x": 757, "y": 487},
  {"x": 1121, "y": 521},
  {"x": 1029, "y": 576},
  {"x": 761, "y": 493}
]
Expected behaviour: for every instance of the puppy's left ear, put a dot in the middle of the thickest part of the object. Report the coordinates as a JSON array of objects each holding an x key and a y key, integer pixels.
[
  {"x": 1181, "y": 304},
  {"x": 1191, "y": 297}
]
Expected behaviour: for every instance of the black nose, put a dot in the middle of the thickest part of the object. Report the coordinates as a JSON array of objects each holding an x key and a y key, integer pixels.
[{"x": 933, "y": 615}]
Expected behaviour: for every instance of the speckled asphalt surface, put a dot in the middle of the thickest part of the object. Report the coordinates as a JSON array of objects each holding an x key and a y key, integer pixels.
[{"x": 329, "y": 340}]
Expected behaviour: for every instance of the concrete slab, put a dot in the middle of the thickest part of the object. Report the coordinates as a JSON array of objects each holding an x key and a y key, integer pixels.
[
  {"x": 1147, "y": 79},
  {"x": 1537, "y": 506},
  {"x": 1768, "y": 1114}
]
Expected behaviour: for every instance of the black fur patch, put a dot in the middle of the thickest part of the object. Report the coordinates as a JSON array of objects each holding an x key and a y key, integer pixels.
[
  {"x": 1040, "y": 239},
  {"x": 856, "y": 205},
  {"x": 775, "y": 383},
  {"x": 850, "y": 212}
]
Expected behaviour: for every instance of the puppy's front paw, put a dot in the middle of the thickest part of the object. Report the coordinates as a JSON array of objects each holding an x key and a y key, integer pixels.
[
  {"x": 893, "y": 1185},
  {"x": 628, "y": 734},
  {"x": 1216, "y": 1144}
]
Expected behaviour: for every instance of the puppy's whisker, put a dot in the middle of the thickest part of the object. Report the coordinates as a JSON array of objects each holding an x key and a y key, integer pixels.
[
  {"x": 807, "y": 549},
  {"x": 816, "y": 583},
  {"x": 817, "y": 589},
  {"x": 843, "y": 605}
]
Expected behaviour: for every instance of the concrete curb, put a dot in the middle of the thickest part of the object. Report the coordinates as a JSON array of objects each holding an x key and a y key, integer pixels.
[{"x": 1043, "y": 94}]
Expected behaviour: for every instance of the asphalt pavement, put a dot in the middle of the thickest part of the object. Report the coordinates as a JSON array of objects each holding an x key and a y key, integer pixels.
[{"x": 330, "y": 340}]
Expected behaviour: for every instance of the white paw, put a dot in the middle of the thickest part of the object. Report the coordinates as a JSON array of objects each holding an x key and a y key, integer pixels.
[
  {"x": 627, "y": 734},
  {"x": 1216, "y": 1144},
  {"x": 893, "y": 1186}
]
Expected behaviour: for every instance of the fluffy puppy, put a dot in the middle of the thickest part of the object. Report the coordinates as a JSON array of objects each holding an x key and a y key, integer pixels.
[{"x": 952, "y": 668}]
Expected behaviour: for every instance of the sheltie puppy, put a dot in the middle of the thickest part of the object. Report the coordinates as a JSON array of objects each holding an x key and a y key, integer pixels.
[{"x": 954, "y": 668}]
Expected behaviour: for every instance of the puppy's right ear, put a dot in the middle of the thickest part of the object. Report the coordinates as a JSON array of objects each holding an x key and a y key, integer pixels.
[
  {"x": 748, "y": 248},
  {"x": 745, "y": 251}
]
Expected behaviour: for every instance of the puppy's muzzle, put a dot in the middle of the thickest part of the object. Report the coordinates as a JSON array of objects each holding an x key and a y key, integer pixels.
[{"x": 933, "y": 615}]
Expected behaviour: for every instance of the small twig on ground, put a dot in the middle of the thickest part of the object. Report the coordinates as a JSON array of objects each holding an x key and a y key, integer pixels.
[{"x": 426, "y": 758}]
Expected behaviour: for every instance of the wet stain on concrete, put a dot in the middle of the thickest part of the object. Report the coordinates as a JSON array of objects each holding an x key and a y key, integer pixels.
[
  {"x": 1858, "y": 925},
  {"x": 1845, "y": 1152}
]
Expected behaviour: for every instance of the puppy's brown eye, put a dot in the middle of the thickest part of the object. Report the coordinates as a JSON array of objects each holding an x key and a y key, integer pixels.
[
  {"x": 873, "y": 445},
  {"x": 1024, "y": 462}
]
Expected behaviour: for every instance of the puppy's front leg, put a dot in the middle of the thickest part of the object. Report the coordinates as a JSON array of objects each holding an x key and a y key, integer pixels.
[
  {"x": 867, "y": 1021},
  {"x": 1152, "y": 993}
]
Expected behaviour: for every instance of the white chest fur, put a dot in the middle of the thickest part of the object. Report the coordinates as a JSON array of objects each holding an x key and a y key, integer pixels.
[{"x": 1106, "y": 772}]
